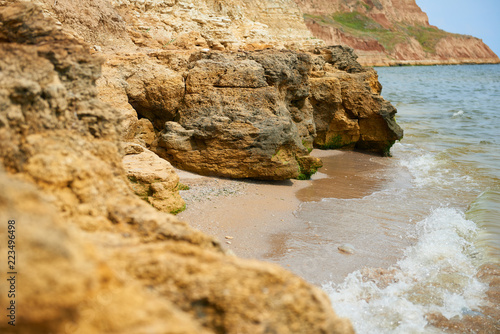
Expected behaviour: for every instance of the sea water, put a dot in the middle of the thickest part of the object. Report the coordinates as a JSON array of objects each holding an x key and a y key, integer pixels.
[{"x": 421, "y": 235}]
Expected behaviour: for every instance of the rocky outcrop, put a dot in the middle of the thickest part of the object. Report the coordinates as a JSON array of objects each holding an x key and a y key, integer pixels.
[
  {"x": 70, "y": 282},
  {"x": 348, "y": 108},
  {"x": 94, "y": 257},
  {"x": 255, "y": 114},
  {"x": 235, "y": 118},
  {"x": 390, "y": 32}
]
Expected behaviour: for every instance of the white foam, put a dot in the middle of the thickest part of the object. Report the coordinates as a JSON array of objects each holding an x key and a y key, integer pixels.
[
  {"x": 436, "y": 275},
  {"x": 427, "y": 169}
]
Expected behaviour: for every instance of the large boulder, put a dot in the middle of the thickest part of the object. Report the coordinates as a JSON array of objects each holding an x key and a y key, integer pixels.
[
  {"x": 236, "y": 119},
  {"x": 235, "y": 115}
]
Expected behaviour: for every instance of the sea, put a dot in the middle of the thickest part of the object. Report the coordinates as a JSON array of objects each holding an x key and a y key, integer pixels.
[{"x": 410, "y": 243}]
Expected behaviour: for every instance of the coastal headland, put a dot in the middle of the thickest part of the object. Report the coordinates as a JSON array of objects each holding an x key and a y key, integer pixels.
[{"x": 391, "y": 33}]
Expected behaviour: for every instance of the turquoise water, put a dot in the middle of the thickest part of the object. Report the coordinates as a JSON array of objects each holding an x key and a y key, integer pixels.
[{"x": 424, "y": 233}]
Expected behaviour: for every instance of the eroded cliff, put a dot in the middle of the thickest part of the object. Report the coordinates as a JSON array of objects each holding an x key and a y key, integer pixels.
[
  {"x": 94, "y": 257},
  {"x": 88, "y": 133},
  {"x": 389, "y": 32}
]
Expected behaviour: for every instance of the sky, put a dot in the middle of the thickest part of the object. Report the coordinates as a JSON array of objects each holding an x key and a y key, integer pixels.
[{"x": 479, "y": 18}]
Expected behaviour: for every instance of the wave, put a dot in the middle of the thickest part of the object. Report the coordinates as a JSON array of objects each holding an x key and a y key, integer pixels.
[
  {"x": 485, "y": 212},
  {"x": 437, "y": 275}
]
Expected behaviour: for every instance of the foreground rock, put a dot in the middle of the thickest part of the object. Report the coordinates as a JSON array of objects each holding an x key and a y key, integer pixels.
[{"x": 94, "y": 257}]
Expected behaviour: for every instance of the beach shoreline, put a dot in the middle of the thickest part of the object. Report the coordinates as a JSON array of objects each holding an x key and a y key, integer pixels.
[
  {"x": 259, "y": 219},
  {"x": 262, "y": 220},
  {"x": 241, "y": 214}
]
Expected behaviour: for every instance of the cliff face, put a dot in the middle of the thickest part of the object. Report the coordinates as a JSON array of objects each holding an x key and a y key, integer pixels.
[
  {"x": 382, "y": 32},
  {"x": 95, "y": 257},
  {"x": 388, "y": 32},
  {"x": 170, "y": 24}
]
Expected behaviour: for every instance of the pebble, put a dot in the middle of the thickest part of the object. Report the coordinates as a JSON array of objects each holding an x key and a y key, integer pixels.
[
  {"x": 228, "y": 242},
  {"x": 228, "y": 237},
  {"x": 346, "y": 248}
]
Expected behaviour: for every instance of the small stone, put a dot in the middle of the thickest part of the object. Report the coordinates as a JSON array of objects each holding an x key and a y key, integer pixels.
[
  {"x": 228, "y": 242},
  {"x": 228, "y": 237},
  {"x": 346, "y": 248}
]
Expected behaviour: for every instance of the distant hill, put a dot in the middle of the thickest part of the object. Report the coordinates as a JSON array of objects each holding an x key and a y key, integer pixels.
[{"x": 390, "y": 32}]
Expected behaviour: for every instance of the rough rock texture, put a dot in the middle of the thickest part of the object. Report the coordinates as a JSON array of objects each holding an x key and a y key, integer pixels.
[
  {"x": 95, "y": 21},
  {"x": 348, "y": 108},
  {"x": 253, "y": 114},
  {"x": 235, "y": 118},
  {"x": 390, "y": 32},
  {"x": 220, "y": 25},
  {"x": 69, "y": 282},
  {"x": 186, "y": 24},
  {"x": 94, "y": 258},
  {"x": 153, "y": 179}
]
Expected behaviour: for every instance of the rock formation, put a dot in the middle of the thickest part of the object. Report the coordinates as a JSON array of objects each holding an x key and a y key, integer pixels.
[
  {"x": 390, "y": 32},
  {"x": 252, "y": 114},
  {"x": 244, "y": 114},
  {"x": 348, "y": 108},
  {"x": 94, "y": 257}
]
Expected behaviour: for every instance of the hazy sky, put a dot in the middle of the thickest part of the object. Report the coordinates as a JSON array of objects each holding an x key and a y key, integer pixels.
[{"x": 479, "y": 18}]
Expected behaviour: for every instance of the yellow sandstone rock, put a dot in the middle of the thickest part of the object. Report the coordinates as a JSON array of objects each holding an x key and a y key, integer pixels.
[{"x": 94, "y": 257}]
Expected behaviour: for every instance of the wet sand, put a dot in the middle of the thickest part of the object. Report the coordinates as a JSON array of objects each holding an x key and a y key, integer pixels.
[
  {"x": 248, "y": 213},
  {"x": 257, "y": 219},
  {"x": 344, "y": 175}
]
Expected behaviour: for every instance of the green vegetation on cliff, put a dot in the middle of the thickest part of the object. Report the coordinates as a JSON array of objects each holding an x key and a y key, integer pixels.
[
  {"x": 428, "y": 37},
  {"x": 361, "y": 26}
]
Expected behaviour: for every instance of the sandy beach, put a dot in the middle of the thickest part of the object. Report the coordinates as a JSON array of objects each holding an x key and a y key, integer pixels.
[
  {"x": 242, "y": 214},
  {"x": 258, "y": 219}
]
